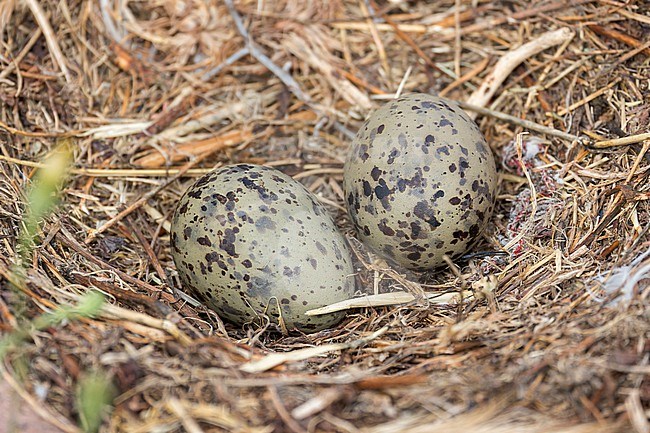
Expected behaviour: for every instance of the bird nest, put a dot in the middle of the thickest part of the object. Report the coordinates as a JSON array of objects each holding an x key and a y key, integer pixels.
[{"x": 545, "y": 331}]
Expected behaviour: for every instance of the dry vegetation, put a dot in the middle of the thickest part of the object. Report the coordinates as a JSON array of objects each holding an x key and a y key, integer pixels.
[{"x": 553, "y": 336}]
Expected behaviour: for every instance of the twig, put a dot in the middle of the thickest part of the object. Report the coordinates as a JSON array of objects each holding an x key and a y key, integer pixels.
[
  {"x": 286, "y": 78},
  {"x": 402, "y": 83},
  {"x": 135, "y": 205},
  {"x": 363, "y": 26},
  {"x": 19, "y": 58},
  {"x": 521, "y": 122},
  {"x": 457, "y": 39},
  {"x": 637, "y": 161},
  {"x": 361, "y": 82},
  {"x": 66, "y": 238},
  {"x": 515, "y": 17},
  {"x": 411, "y": 43},
  {"x": 229, "y": 61},
  {"x": 468, "y": 76},
  {"x": 283, "y": 412},
  {"x": 116, "y": 34},
  {"x": 381, "y": 52},
  {"x": 50, "y": 37},
  {"x": 123, "y": 295},
  {"x": 153, "y": 259},
  {"x": 511, "y": 60},
  {"x": 583, "y": 101},
  {"x": 634, "y": 16},
  {"x": 272, "y": 360},
  {"x": 621, "y": 37},
  {"x": 154, "y": 159},
  {"x": 616, "y": 210},
  {"x": 15, "y": 131},
  {"x": 323, "y": 63},
  {"x": 534, "y": 84},
  {"x": 117, "y": 313},
  {"x": 619, "y": 206},
  {"x": 177, "y": 107},
  {"x": 386, "y": 299},
  {"x": 254, "y": 51},
  {"x": 454, "y": 269},
  {"x": 636, "y": 412},
  {"x": 214, "y": 114},
  {"x": 632, "y": 139},
  {"x": 317, "y": 404},
  {"x": 622, "y": 59},
  {"x": 525, "y": 230},
  {"x": 116, "y": 172},
  {"x": 189, "y": 424}
]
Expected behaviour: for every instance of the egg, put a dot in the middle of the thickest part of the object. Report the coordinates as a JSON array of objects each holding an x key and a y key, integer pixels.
[
  {"x": 419, "y": 181},
  {"x": 250, "y": 241}
]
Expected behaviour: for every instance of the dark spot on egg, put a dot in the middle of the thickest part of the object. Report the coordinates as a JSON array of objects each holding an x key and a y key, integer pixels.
[
  {"x": 382, "y": 190},
  {"x": 367, "y": 189}
]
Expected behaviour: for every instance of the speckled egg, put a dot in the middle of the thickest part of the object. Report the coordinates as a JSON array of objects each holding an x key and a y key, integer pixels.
[
  {"x": 419, "y": 181},
  {"x": 250, "y": 241}
]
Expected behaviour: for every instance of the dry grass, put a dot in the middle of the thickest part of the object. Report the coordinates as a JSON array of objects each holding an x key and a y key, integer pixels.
[{"x": 157, "y": 92}]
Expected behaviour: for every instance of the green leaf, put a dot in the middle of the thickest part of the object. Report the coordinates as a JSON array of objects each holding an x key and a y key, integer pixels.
[{"x": 95, "y": 394}]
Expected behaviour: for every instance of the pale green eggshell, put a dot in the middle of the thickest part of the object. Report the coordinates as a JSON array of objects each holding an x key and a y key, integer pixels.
[
  {"x": 420, "y": 181},
  {"x": 247, "y": 238}
]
